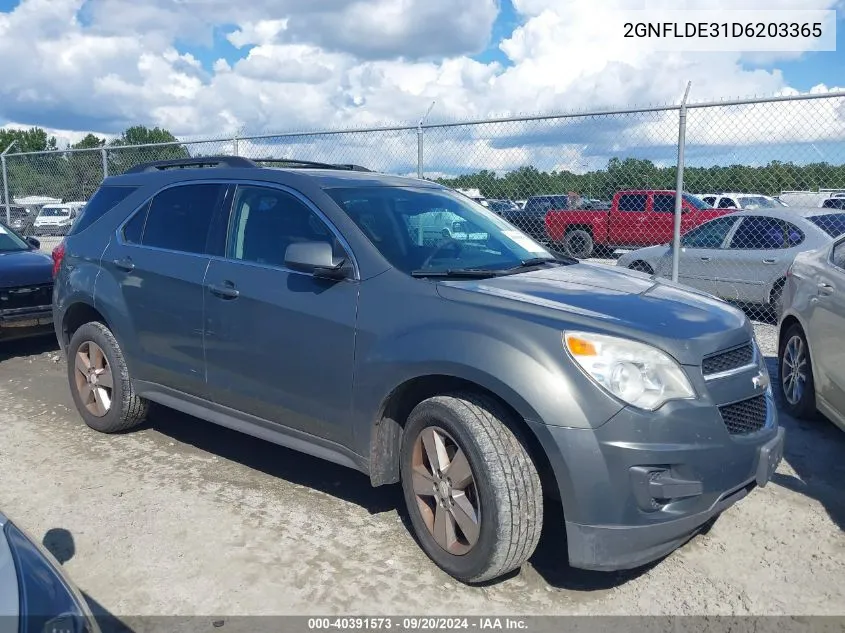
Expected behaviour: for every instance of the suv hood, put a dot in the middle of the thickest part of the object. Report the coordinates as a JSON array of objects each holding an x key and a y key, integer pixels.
[
  {"x": 685, "y": 323},
  {"x": 25, "y": 268}
]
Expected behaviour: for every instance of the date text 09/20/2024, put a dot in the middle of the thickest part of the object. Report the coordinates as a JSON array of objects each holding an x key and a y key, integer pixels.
[{"x": 414, "y": 624}]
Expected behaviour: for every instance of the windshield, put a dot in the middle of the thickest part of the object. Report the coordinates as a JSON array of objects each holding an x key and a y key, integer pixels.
[
  {"x": 697, "y": 202},
  {"x": 833, "y": 224},
  {"x": 756, "y": 202},
  {"x": 9, "y": 242},
  {"x": 55, "y": 212},
  {"x": 436, "y": 230}
]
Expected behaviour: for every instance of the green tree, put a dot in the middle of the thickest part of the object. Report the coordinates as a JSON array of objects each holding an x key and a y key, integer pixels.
[{"x": 159, "y": 144}]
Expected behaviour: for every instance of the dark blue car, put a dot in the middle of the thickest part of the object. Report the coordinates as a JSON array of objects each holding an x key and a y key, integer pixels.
[{"x": 26, "y": 287}]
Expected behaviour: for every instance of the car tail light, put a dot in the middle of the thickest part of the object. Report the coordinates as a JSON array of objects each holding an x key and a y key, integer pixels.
[
  {"x": 789, "y": 270},
  {"x": 58, "y": 255}
]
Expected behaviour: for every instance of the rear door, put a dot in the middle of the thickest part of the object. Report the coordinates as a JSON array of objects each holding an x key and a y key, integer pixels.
[
  {"x": 159, "y": 262},
  {"x": 827, "y": 326},
  {"x": 755, "y": 258},
  {"x": 628, "y": 220}
]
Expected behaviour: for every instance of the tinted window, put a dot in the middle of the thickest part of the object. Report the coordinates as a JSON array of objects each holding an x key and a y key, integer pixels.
[
  {"x": 834, "y": 203},
  {"x": 708, "y": 235},
  {"x": 696, "y": 202},
  {"x": 664, "y": 203},
  {"x": 134, "y": 228},
  {"x": 709, "y": 199},
  {"x": 839, "y": 255},
  {"x": 267, "y": 221},
  {"x": 633, "y": 202},
  {"x": 179, "y": 218},
  {"x": 794, "y": 235},
  {"x": 759, "y": 233},
  {"x": 103, "y": 201},
  {"x": 833, "y": 224},
  {"x": 727, "y": 203}
]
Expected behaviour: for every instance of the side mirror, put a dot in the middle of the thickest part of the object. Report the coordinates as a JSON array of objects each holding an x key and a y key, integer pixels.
[
  {"x": 316, "y": 258},
  {"x": 33, "y": 242}
]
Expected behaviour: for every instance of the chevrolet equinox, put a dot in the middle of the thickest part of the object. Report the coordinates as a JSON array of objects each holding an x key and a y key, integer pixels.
[{"x": 321, "y": 307}]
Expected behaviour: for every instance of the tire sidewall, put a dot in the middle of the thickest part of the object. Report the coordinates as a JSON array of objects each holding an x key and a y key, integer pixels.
[
  {"x": 436, "y": 413},
  {"x": 91, "y": 332}
]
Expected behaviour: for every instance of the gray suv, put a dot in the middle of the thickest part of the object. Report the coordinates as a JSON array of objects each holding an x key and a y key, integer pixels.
[{"x": 303, "y": 303}]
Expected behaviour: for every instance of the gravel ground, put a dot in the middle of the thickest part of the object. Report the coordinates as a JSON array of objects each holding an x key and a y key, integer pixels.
[{"x": 181, "y": 517}]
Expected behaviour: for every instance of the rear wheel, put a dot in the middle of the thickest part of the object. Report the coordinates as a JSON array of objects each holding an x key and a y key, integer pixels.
[
  {"x": 472, "y": 491},
  {"x": 99, "y": 381},
  {"x": 797, "y": 388},
  {"x": 578, "y": 243}
]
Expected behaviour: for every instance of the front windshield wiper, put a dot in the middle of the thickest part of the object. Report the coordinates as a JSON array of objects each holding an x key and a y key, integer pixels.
[
  {"x": 456, "y": 272},
  {"x": 561, "y": 260}
]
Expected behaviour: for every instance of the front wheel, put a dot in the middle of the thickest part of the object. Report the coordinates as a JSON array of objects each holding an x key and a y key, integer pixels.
[
  {"x": 578, "y": 243},
  {"x": 472, "y": 491}
]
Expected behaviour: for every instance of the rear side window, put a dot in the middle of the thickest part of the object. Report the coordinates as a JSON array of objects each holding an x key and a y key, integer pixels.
[
  {"x": 179, "y": 218},
  {"x": 833, "y": 224},
  {"x": 727, "y": 203},
  {"x": 838, "y": 256},
  {"x": 759, "y": 233},
  {"x": 104, "y": 200},
  {"x": 635, "y": 202}
]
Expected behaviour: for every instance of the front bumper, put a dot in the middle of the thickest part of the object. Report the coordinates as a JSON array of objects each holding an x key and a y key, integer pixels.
[
  {"x": 641, "y": 485},
  {"x": 26, "y": 322}
]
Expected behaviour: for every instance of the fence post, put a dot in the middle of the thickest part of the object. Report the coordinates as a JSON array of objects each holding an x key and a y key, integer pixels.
[
  {"x": 420, "y": 151},
  {"x": 679, "y": 184},
  {"x": 105, "y": 154},
  {"x": 235, "y": 144},
  {"x": 6, "y": 182}
]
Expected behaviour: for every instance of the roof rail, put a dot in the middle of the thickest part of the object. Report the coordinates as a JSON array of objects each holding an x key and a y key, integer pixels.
[
  {"x": 293, "y": 162},
  {"x": 187, "y": 163}
]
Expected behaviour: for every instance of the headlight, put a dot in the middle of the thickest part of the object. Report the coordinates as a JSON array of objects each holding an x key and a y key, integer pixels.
[
  {"x": 49, "y": 600},
  {"x": 636, "y": 373}
]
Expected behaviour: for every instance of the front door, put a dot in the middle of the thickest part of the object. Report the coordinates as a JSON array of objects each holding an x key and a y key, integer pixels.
[
  {"x": 279, "y": 343},
  {"x": 826, "y": 328}
]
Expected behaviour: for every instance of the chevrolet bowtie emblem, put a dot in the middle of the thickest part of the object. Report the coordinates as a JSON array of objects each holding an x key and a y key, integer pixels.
[{"x": 760, "y": 381}]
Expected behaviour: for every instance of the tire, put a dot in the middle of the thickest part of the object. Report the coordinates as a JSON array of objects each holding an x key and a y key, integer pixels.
[
  {"x": 126, "y": 409},
  {"x": 578, "y": 243},
  {"x": 803, "y": 406},
  {"x": 506, "y": 492},
  {"x": 642, "y": 267}
]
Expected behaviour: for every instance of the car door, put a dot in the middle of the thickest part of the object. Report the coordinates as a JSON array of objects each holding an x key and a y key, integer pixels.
[
  {"x": 628, "y": 220},
  {"x": 755, "y": 258},
  {"x": 698, "y": 261},
  {"x": 280, "y": 343},
  {"x": 826, "y": 327},
  {"x": 661, "y": 222},
  {"x": 159, "y": 262}
]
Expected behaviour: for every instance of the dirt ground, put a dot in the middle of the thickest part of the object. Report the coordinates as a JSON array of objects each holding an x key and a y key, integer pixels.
[{"x": 182, "y": 517}]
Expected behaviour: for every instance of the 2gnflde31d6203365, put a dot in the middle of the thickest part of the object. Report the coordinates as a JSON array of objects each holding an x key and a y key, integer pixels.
[{"x": 321, "y": 307}]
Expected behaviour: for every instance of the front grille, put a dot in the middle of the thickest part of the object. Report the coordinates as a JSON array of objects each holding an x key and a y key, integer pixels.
[
  {"x": 26, "y": 297},
  {"x": 726, "y": 361},
  {"x": 748, "y": 416}
]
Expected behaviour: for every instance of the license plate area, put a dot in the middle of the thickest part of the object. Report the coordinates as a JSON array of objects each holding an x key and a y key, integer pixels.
[{"x": 770, "y": 455}]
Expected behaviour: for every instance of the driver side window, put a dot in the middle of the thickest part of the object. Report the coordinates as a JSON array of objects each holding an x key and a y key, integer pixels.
[{"x": 711, "y": 234}]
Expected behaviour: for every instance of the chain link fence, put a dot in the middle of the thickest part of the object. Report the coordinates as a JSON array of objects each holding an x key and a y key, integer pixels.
[{"x": 759, "y": 181}]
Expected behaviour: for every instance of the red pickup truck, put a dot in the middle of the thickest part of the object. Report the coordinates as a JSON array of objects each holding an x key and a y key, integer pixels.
[{"x": 636, "y": 218}]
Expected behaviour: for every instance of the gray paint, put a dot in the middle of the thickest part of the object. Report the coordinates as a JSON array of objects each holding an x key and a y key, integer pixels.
[{"x": 310, "y": 363}]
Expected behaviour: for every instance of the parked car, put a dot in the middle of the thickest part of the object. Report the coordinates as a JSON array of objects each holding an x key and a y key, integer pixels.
[
  {"x": 295, "y": 305},
  {"x": 811, "y": 356},
  {"x": 26, "y": 287},
  {"x": 501, "y": 206},
  {"x": 743, "y": 256},
  {"x": 35, "y": 592},
  {"x": 744, "y": 201},
  {"x": 20, "y": 218},
  {"x": 635, "y": 218},
  {"x": 530, "y": 219},
  {"x": 56, "y": 219}
]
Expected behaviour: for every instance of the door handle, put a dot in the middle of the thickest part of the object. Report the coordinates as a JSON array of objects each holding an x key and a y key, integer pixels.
[
  {"x": 705, "y": 259},
  {"x": 124, "y": 263},
  {"x": 825, "y": 288},
  {"x": 226, "y": 290},
  {"x": 770, "y": 261}
]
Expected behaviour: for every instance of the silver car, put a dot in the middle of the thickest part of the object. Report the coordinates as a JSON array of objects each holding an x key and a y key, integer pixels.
[
  {"x": 811, "y": 355},
  {"x": 742, "y": 257}
]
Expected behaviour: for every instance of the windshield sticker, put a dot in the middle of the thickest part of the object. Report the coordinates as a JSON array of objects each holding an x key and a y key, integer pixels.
[{"x": 524, "y": 241}]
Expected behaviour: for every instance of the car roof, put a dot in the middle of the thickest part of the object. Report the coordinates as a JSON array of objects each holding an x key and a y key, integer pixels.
[{"x": 788, "y": 213}]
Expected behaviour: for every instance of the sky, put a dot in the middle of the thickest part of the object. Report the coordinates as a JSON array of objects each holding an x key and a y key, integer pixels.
[{"x": 205, "y": 68}]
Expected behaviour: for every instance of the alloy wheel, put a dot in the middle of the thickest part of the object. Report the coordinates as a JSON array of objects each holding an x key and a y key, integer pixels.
[
  {"x": 94, "y": 379},
  {"x": 793, "y": 371},
  {"x": 445, "y": 491}
]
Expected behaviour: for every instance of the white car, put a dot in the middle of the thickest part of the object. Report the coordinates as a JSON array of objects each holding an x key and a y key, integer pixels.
[
  {"x": 743, "y": 256},
  {"x": 56, "y": 219},
  {"x": 747, "y": 201}
]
